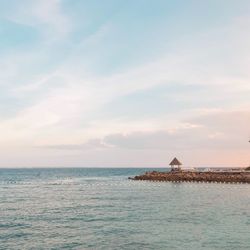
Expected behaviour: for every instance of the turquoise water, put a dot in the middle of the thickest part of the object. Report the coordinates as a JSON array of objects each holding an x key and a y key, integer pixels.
[{"x": 102, "y": 209}]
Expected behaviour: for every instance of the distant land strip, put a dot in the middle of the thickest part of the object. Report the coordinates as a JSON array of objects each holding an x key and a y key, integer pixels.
[{"x": 196, "y": 176}]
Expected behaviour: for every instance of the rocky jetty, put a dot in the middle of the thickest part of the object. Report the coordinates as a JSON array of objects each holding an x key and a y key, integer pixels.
[{"x": 196, "y": 176}]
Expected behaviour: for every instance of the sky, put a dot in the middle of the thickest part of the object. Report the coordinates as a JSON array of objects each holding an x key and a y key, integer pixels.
[{"x": 114, "y": 83}]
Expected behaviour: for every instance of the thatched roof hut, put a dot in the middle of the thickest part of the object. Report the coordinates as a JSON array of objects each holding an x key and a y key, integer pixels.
[{"x": 175, "y": 164}]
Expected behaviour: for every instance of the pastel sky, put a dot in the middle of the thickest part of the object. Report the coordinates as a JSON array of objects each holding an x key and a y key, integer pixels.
[{"x": 114, "y": 83}]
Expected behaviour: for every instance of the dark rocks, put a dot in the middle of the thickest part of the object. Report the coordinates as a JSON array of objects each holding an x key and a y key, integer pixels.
[{"x": 227, "y": 177}]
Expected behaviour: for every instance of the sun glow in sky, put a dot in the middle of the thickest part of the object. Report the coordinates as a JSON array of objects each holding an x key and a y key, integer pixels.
[{"x": 119, "y": 83}]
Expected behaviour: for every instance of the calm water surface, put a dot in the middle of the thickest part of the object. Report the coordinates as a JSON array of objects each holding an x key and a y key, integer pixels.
[{"x": 102, "y": 209}]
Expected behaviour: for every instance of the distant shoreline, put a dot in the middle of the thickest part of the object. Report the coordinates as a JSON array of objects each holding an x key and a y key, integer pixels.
[{"x": 135, "y": 167}]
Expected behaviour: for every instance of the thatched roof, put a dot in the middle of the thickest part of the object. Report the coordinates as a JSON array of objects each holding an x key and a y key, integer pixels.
[{"x": 175, "y": 162}]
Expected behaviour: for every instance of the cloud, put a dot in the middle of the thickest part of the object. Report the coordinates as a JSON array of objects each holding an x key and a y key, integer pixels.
[
  {"x": 218, "y": 130},
  {"x": 46, "y": 15},
  {"x": 93, "y": 144},
  {"x": 66, "y": 97}
]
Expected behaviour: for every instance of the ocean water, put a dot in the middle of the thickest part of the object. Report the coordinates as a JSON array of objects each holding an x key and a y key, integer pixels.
[{"x": 102, "y": 209}]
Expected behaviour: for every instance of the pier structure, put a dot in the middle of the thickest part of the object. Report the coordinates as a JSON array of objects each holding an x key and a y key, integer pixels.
[
  {"x": 196, "y": 176},
  {"x": 178, "y": 175}
]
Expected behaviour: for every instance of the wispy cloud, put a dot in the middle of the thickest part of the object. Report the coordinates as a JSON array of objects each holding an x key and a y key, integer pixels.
[
  {"x": 72, "y": 90},
  {"x": 45, "y": 15}
]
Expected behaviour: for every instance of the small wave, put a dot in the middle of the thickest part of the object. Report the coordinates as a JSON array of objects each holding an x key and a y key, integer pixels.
[{"x": 67, "y": 181}]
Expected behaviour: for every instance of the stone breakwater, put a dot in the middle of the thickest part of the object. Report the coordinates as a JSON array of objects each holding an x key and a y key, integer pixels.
[{"x": 191, "y": 176}]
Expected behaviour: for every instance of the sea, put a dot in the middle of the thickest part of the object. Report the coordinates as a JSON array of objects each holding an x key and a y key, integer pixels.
[{"x": 100, "y": 208}]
